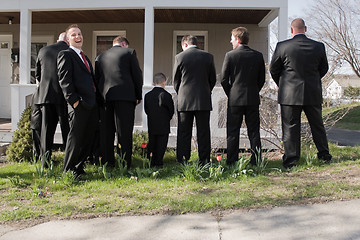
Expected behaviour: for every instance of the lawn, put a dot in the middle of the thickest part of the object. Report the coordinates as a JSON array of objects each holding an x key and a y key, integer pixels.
[
  {"x": 351, "y": 120},
  {"x": 32, "y": 194},
  {"x": 346, "y": 116}
]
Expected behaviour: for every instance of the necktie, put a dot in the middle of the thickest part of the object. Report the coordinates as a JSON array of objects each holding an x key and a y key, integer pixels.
[
  {"x": 84, "y": 59},
  {"x": 87, "y": 66}
]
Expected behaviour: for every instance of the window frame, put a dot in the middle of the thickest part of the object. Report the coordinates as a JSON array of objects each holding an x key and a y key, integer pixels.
[{"x": 105, "y": 33}]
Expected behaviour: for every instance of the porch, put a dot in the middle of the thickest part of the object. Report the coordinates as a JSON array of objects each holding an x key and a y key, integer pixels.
[
  {"x": 152, "y": 26},
  {"x": 217, "y": 123}
]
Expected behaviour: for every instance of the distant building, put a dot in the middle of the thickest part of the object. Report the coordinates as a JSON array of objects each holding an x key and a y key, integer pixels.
[{"x": 335, "y": 89}]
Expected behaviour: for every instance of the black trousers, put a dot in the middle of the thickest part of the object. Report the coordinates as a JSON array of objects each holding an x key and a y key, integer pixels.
[
  {"x": 156, "y": 147},
  {"x": 119, "y": 118},
  {"x": 83, "y": 122},
  {"x": 291, "y": 126},
  {"x": 98, "y": 145},
  {"x": 184, "y": 134},
  {"x": 51, "y": 115},
  {"x": 234, "y": 121},
  {"x": 35, "y": 125}
]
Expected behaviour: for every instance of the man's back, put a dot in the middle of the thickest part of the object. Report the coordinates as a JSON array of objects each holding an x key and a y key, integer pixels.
[
  {"x": 194, "y": 79},
  {"x": 297, "y": 67},
  {"x": 119, "y": 75},
  {"x": 46, "y": 74},
  {"x": 243, "y": 76},
  {"x": 159, "y": 107}
]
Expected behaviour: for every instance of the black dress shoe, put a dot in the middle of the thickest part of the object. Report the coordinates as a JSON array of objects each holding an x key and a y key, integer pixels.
[
  {"x": 289, "y": 165},
  {"x": 78, "y": 173},
  {"x": 230, "y": 164},
  {"x": 157, "y": 165},
  {"x": 325, "y": 157}
]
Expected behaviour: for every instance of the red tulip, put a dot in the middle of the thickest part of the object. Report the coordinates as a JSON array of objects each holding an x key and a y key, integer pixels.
[
  {"x": 143, "y": 145},
  {"x": 218, "y": 158}
]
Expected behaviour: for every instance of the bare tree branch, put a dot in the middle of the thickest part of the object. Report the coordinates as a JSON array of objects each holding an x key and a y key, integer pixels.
[{"x": 336, "y": 23}]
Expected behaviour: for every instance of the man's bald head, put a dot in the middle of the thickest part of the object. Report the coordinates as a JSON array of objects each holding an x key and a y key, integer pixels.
[{"x": 298, "y": 26}]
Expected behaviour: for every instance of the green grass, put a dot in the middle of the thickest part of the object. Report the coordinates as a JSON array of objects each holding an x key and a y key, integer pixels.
[
  {"x": 171, "y": 192},
  {"x": 330, "y": 110},
  {"x": 351, "y": 120}
]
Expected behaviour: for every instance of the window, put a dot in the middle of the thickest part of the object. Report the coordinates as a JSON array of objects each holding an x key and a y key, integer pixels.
[
  {"x": 202, "y": 37},
  {"x": 4, "y": 45},
  {"x": 38, "y": 42},
  {"x": 103, "y": 40}
]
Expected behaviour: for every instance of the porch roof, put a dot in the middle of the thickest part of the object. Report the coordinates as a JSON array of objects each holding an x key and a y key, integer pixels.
[{"x": 244, "y": 16}]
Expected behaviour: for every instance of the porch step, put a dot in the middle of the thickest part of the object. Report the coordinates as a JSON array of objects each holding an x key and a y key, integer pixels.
[
  {"x": 3, "y": 147},
  {"x": 6, "y": 136}
]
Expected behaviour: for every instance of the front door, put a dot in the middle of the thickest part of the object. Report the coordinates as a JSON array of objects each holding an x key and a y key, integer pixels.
[{"x": 5, "y": 75}]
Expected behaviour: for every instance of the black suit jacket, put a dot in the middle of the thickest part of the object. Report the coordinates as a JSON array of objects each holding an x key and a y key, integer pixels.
[
  {"x": 297, "y": 66},
  {"x": 47, "y": 75},
  {"x": 243, "y": 76},
  {"x": 159, "y": 106},
  {"x": 194, "y": 78},
  {"x": 118, "y": 75},
  {"x": 75, "y": 79}
]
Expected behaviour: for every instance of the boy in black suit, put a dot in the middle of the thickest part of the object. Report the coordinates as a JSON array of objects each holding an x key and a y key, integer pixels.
[{"x": 159, "y": 107}]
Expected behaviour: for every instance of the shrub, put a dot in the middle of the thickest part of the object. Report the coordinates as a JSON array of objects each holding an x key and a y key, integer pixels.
[{"x": 20, "y": 149}]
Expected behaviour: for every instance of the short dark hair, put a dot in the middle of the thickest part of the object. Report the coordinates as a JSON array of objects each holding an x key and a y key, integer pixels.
[
  {"x": 159, "y": 78},
  {"x": 71, "y": 26},
  {"x": 241, "y": 33},
  {"x": 189, "y": 39},
  {"x": 120, "y": 39}
]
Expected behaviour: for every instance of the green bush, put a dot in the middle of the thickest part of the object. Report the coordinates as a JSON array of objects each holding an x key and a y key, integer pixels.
[{"x": 20, "y": 149}]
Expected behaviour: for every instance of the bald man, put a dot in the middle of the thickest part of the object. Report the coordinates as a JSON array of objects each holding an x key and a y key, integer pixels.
[
  {"x": 50, "y": 96},
  {"x": 297, "y": 66}
]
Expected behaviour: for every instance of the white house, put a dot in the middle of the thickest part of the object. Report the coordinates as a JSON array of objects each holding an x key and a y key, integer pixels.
[
  {"x": 153, "y": 27},
  {"x": 335, "y": 89}
]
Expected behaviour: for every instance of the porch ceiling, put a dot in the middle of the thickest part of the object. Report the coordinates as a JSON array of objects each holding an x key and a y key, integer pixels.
[{"x": 243, "y": 16}]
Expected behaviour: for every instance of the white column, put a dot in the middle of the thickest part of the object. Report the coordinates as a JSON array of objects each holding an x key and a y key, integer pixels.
[
  {"x": 19, "y": 92},
  {"x": 149, "y": 45},
  {"x": 283, "y": 23},
  {"x": 148, "y": 54},
  {"x": 25, "y": 45}
]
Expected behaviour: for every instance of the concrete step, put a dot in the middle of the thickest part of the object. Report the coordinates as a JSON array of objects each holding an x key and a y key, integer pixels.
[{"x": 3, "y": 147}]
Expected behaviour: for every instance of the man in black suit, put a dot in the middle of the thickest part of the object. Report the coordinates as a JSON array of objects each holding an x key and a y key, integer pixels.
[
  {"x": 50, "y": 96},
  {"x": 243, "y": 76},
  {"x": 159, "y": 107},
  {"x": 35, "y": 125},
  {"x": 120, "y": 81},
  {"x": 194, "y": 79},
  {"x": 297, "y": 66},
  {"x": 77, "y": 82}
]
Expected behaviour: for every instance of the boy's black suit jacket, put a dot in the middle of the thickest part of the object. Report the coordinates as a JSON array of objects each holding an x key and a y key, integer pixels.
[{"x": 159, "y": 107}]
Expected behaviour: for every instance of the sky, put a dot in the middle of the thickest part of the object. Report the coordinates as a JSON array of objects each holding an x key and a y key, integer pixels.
[{"x": 298, "y": 7}]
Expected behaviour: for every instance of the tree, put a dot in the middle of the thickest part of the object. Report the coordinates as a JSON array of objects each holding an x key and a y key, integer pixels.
[{"x": 336, "y": 24}]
